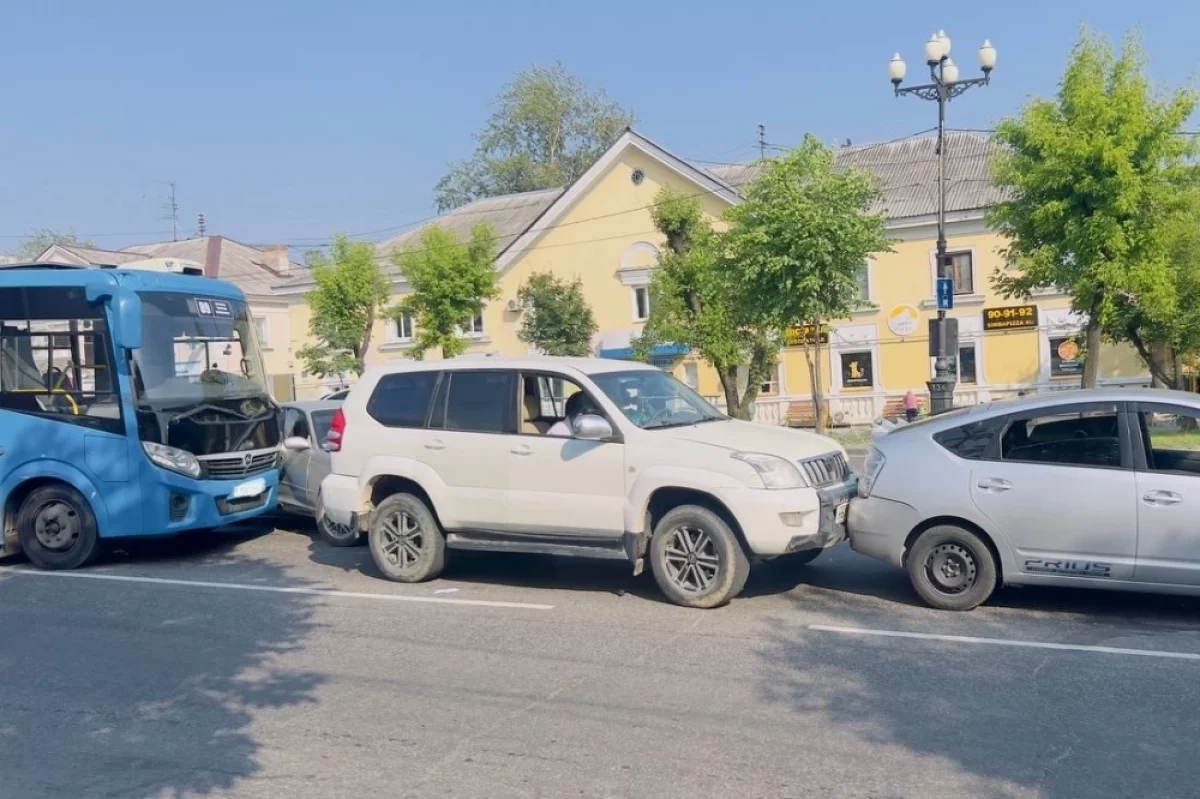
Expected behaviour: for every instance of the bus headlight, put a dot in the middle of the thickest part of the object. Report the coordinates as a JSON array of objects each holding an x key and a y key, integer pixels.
[{"x": 177, "y": 460}]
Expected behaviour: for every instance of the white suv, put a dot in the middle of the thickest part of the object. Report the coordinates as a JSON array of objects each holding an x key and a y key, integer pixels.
[{"x": 576, "y": 456}]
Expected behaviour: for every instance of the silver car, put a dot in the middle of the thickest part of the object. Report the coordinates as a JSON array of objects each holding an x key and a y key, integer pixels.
[
  {"x": 306, "y": 463},
  {"x": 1097, "y": 488}
]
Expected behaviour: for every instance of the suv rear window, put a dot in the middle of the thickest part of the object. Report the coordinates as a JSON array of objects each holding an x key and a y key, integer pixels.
[
  {"x": 482, "y": 402},
  {"x": 401, "y": 400}
]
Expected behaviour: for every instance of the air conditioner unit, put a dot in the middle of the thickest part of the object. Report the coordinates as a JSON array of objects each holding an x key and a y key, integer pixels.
[
  {"x": 514, "y": 306},
  {"x": 839, "y": 417}
]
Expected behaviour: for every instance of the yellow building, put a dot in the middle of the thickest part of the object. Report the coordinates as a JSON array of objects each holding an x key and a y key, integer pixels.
[{"x": 600, "y": 230}]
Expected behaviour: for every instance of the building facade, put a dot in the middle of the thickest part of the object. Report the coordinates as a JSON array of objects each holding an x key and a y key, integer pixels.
[{"x": 600, "y": 230}]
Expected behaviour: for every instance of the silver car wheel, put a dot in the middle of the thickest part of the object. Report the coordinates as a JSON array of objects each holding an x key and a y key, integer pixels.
[
  {"x": 336, "y": 530},
  {"x": 402, "y": 540},
  {"x": 951, "y": 568},
  {"x": 692, "y": 560}
]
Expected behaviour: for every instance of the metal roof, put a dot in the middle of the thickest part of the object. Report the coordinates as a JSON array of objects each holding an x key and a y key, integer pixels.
[{"x": 905, "y": 173}]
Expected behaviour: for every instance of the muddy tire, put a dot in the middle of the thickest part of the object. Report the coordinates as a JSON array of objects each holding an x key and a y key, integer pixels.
[
  {"x": 696, "y": 559},
  {"x": 406, "y": 541}
]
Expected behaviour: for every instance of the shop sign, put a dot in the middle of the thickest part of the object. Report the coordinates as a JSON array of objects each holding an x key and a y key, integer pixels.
[
  {"x": 1014, "y": 317},
  {"x": 903, "y": 320},
  {"x": 799, "y": 335}
]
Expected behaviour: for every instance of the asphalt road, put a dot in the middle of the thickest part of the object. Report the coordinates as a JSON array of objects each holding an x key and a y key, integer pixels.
[{"x": 271, "y": 665}]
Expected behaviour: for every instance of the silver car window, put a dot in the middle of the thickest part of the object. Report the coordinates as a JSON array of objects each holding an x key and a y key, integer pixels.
[
  {"x": 1172, "y": 439},
  {"x": 1086, "y": 438}
]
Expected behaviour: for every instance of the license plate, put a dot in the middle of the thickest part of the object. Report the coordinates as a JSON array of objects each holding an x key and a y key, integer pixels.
[
  {"x": 250, "y": 488},
  {"x": 839, "y": 515}
]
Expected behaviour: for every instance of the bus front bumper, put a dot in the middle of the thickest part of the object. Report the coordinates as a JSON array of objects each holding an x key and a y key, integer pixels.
[{"x": 179, "y": 503}]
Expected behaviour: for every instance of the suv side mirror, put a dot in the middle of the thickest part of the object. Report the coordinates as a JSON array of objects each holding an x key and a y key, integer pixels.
[
  {"x": 590, "y": 427},
  {"x": 296, "y": 444}
]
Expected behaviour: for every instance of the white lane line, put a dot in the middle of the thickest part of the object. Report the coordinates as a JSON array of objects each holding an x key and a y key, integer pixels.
[
  {"x": 969, "y": 639},
  {"x": 278, "y": 589}
]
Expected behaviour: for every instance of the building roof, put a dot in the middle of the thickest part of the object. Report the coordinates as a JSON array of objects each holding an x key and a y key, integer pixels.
[
  {"x": 248, "y": 268},
  {"x": 906, "y": 173}
]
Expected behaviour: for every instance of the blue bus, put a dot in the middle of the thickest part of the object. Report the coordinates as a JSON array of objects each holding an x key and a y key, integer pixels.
[{"x": 133, "y": 402}]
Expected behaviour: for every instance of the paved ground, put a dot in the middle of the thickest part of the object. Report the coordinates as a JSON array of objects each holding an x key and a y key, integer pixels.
[{"x": 535, "y": 677}]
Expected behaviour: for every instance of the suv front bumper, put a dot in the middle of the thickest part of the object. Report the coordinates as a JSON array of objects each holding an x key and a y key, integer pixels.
[{"x": 776, "y": 522}]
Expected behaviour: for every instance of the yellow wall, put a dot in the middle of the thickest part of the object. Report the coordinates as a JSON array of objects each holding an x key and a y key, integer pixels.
[{"x": 593, "y": 238}]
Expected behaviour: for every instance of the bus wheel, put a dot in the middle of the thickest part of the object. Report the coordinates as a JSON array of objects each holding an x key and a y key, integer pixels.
[{"x": 57, "y": 529}]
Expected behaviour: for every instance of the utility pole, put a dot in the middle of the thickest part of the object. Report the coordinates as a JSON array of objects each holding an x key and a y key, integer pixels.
[
  {"x": 171, "y": 206},
  {"x": 201, "y": 226},
  {"x": 762, "y": 141}
]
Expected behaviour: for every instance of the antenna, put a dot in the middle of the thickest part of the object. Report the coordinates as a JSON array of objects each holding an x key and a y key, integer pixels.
[
  {"x": 200, "y": 225},
  {"x": 171, "y": 206},
  {"x": 762, "y": 141}
]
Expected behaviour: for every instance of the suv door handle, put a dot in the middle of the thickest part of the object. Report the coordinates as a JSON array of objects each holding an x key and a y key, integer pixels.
[
  {"x": 435, "y": 444},
  {"x": 521, "y": 449},
  {"x": 995, "y": 485},
  {"x": 1161, "y": 498}
]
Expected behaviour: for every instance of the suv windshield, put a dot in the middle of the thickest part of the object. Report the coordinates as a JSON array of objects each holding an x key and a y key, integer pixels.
[
  {"x": 196, "y": 349},
  {"x": 653, "y": 399}
]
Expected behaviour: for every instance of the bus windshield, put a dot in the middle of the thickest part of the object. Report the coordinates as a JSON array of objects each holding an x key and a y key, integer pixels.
[{"x": 196, "y": 350}]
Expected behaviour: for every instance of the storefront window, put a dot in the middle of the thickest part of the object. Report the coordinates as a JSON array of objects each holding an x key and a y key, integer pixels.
[
  {"x": 857, "y": 369},
  {"x": 1065, "y": 360}
]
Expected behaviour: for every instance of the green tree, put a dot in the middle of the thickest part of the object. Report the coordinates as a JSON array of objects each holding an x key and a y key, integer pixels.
[
  {"x": 1096, "y": 179},
  {"x": 697, "y": 301},
  {"x": 37, "y": 242},
  {"x": 547, "y": 129},
  {"x": 451, "y": 281},
  {"x": 558, "y": 320},
  {"x": 350, "y": 290},
  {"x": 798, "y": 244}
]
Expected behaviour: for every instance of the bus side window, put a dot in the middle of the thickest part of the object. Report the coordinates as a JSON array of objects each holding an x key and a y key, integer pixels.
[{"x": 55, "y": 356}]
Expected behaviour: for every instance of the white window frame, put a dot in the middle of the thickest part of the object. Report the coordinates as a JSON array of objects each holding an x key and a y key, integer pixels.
[
  {"x": 691, "y": 369},
  {"x": 475, "y": 332},
  {"x": 396, "y": 332},
  {"x": 970, "y": 331},
  {"x": 973, "y": 344},
  {"x": 853, "y": 338},
  {"x": 262, "y": 328},
  {"x": 633, "y": 292},
  {"x": 869, "y": 299},
  {"x": 974, "y": 298},
  {"x": 1055, "y": 323}
]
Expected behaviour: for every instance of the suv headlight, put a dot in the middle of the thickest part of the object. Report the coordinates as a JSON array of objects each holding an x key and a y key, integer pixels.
[
  {"x": 177, "y": 460},
  {"x": 774, "y": 471}
]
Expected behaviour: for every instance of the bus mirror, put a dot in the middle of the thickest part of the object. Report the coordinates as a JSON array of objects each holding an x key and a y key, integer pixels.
[{"x": 127, "y": 313}]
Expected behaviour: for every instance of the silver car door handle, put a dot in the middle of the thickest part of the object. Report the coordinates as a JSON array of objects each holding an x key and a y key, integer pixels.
[
  {"x": 521, "y": 449},
  {"x": 1162, "y": 498},
  {"x": 435, "y": 444},
  {"x": 995, "y": 484}
]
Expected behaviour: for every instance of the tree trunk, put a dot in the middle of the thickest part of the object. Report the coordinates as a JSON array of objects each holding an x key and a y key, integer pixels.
[
  {"x": 1154, "y": 358},
  {"x": 1091, "y": 363},
  {"x": 1158, "y": 352},
  {"x": 728, "y": 375},
  {"x": 1180, "y": 379}
]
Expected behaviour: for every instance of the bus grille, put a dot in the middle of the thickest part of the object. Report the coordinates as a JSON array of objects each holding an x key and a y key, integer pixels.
[
  {"x": 228, "y": 467},
  {"x": 825, "y": 470}
]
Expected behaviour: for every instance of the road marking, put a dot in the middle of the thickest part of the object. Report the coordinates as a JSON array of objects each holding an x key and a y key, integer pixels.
[
  {"x": 278, "y": 589},
  {"x": 969, "y": 639}
]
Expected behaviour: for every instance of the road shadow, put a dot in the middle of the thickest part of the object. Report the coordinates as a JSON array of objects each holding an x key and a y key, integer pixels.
[
  {"x": 117, "y": 689},
  {"x": 960, "y": 719}
]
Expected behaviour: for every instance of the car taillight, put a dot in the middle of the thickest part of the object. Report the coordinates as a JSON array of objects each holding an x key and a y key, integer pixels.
[
  {"x": 337, "y": 429},
  {"x": 871, "y": 470}
]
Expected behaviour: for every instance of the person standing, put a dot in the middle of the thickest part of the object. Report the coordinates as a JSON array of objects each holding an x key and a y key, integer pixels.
[{"x": 911, "y": 406}]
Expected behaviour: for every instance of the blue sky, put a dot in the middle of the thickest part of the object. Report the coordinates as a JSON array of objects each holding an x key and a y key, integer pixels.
[{"x": 288, "y": 121}]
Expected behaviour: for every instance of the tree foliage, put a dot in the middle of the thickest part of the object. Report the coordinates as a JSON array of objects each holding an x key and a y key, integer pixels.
[
  {"x": 547, "y": 129},
  {"x": 1097, "y": 179},
  {"x": 37, "y": 242},
  {"x": 451, "y": 281},
  {"x": 350, "y": 290},
  {"x": 799, "y": 242},
  {"x": 790, "y": 256},
  {"x": 695, "y": 300},
  {"x": 558, "y": 320}
]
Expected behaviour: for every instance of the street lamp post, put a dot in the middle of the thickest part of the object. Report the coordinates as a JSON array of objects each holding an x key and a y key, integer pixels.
[{"x": 945, "y": 87}]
